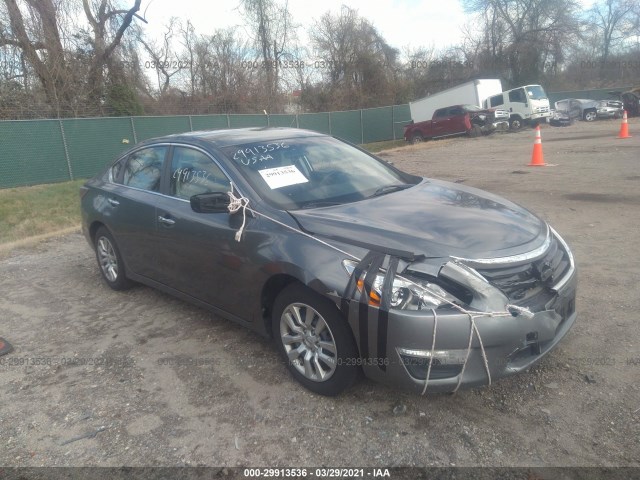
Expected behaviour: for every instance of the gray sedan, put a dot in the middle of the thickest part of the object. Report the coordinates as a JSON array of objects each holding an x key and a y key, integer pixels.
[
  {"x": 578, "y": 108},
  {"x": 350, "y": 264}
]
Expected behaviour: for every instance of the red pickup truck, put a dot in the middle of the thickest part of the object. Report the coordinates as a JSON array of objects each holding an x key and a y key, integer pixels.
[{"x": 457, "y": 120}]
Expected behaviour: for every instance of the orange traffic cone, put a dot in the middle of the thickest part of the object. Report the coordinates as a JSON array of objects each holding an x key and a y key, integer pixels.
[
  {"x": 624, "y": 127},
  {"x": 537, "y": 158}
]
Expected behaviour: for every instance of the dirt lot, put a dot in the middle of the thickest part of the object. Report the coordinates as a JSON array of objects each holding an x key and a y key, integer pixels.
[{"x": 156, "y": 381}]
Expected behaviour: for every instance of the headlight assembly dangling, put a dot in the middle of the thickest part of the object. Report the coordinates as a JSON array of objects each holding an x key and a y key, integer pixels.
[
  {"x": 405, "y": 294},
  {"x": 425, "y": 293}
]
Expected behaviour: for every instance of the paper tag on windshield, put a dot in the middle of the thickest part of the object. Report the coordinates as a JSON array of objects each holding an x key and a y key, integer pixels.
[{"x": 282, "y": 176}]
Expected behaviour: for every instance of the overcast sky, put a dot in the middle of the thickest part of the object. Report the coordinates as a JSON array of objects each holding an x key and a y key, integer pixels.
[{"x": 403, "y": 23}]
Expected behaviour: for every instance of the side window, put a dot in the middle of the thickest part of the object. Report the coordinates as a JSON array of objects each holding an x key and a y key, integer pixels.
[
  {"x": 440, "y": 113},
  {"x": 116, "y": 169},
  {"x": 497, "y": 100},
  {"x": 193, "y": 172},
  {"x": 517, "y": 96},
  {"x": 456, "y": 111},
  {"x": 143, "y": 169}
]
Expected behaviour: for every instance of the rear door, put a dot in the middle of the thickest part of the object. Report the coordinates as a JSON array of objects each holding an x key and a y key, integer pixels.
[{"x": 130, "y": 206}]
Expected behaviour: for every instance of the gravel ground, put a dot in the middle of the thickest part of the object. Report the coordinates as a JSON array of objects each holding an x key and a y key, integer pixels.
[{"x": 100, "y": 378}]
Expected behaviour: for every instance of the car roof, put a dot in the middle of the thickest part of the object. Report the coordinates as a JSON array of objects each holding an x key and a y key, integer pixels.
[{"x": 237, "y": 136}]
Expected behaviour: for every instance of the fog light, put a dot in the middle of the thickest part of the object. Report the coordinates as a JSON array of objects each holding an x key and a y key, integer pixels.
[{"x": 445, "y": 363}]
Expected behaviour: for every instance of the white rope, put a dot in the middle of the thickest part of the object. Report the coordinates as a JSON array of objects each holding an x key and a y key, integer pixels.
[
  {"x": 242, "y": 203},
  {"x": 236, "y": 204}
]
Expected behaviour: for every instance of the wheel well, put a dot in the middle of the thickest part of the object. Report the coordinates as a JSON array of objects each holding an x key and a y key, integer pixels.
[
  {"x": 93, "y": 229},
  {"x": 270, "y": 291}
]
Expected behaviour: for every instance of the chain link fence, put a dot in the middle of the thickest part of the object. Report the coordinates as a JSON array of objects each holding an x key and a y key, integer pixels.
[{"x": 45, "y": 151}]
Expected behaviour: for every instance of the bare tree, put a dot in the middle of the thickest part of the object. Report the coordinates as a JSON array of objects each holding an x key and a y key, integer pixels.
[
  {"x": 164, "y": 59},
  {"x": 530, "y": 35},
  {"x": 354, "y": 57},
  {"x": 37, "y": 29},
  {"x": 273, "y": 32},
  {"x": 613, "y": 20}
]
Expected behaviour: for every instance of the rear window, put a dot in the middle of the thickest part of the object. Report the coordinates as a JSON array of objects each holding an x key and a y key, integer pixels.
[{"x": 143, "y": 169}]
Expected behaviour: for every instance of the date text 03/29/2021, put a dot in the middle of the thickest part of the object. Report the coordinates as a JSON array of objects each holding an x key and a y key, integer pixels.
[{"x": 324, "y": 472}]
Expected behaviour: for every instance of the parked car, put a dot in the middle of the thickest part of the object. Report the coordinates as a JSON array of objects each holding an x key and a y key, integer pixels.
[
  {"x": 578, "y": 108},
  {"x": 457, "y": 120},
  {"x": 559, "y": 119},
  {"x": 631, "y": 100},
  {"x": 347, "y": 262},
  {"x": 609, "y": 109}
]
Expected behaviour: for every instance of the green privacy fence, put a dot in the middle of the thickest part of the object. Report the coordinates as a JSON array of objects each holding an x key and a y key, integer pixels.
[{"x": 44, "y": 151}]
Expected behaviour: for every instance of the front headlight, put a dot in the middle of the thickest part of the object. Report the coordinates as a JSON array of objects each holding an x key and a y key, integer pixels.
[{"x": 405, "y": 295}]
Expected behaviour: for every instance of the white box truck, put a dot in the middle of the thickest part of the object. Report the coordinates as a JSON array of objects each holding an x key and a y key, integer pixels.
[
  {"x": 526, "y": 105},
  {"x": 473, "y": 92}
]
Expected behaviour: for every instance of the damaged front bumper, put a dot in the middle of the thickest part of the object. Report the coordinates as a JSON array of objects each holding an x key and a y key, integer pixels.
[{"x": 397, "y": 346}]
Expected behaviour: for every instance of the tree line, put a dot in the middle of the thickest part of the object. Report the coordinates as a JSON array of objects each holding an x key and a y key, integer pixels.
[{"x": 74, "y": 58}]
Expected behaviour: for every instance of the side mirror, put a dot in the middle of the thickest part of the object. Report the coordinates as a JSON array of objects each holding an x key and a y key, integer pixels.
[{"x": 213, "y": 202}]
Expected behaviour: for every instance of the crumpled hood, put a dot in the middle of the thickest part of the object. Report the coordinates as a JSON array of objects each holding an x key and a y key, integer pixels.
[{"x": 433, "y": 218}]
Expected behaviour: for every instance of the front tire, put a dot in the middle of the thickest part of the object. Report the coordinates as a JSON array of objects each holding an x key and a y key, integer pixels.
[
  {"x": 590, "y": 116},
  {"x": 515, "y": 123},
  {"x": 110, "y": 261},
  {"x": 314, "y": 340}
]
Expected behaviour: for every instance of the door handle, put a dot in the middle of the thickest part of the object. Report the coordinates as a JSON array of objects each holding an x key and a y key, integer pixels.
[
  {"x": 113, "y": 202},
  {"x": 166, "y": 221}
]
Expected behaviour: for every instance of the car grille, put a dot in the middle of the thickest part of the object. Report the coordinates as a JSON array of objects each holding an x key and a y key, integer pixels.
[{"x": 532, "y": 281}]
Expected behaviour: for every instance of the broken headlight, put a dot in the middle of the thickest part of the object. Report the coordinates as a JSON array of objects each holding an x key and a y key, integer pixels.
[{"x": 406, "y": 294}]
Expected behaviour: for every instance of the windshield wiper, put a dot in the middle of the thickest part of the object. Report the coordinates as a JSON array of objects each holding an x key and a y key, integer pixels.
[
  {"x": 390, "y": 188},
  {"x": 320, "y": 204}
]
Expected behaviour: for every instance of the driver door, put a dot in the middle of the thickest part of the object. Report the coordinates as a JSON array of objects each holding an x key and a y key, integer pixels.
[{"x": 197, "y": 253}]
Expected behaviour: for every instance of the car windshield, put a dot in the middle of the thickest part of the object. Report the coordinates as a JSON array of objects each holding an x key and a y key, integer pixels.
[
  {"x": 536, "y": 92},
  {"x": 314, "y": 172}
]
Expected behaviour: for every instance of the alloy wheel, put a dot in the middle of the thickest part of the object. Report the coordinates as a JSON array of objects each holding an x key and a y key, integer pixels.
[
  {"x": 108, "y": 259},
  {"x": 308, "y": 342}
]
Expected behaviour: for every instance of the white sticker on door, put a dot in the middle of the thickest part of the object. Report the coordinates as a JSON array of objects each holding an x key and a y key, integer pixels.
[{"x": 282, "y": 176}]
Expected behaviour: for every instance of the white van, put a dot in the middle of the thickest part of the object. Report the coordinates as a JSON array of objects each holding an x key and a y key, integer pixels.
[{"x": 527, "y": 105}]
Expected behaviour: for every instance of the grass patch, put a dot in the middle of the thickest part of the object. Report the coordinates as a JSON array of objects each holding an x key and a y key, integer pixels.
[
  {"x": 379, "y": 146},
  {"x": 30, "y": 211}
]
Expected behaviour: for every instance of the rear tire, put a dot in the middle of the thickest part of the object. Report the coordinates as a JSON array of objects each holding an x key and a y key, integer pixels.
[
  {"x": 590, "y": 116},
  {"x": 314, "y": 340},
  {"x": 110, "y": 261}
]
